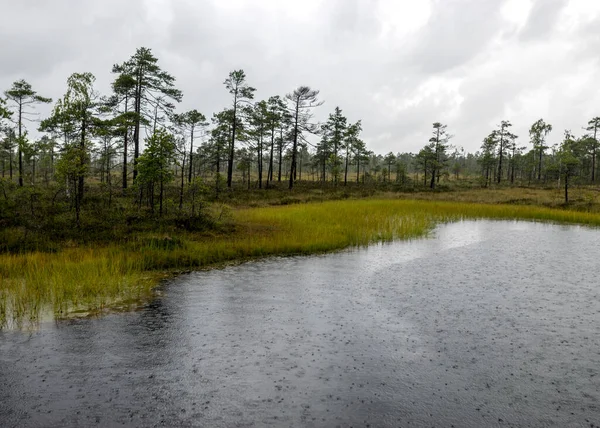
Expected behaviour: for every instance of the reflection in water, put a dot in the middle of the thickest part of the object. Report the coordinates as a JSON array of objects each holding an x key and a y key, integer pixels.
[{"x": 485, "y": 324}]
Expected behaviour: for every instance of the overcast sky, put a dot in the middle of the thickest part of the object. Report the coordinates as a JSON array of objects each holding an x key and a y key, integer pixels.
[{"x": 399, "y": 65}]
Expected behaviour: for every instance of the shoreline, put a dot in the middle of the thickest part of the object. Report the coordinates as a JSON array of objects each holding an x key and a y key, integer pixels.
[{"x": 97, "y": 279}]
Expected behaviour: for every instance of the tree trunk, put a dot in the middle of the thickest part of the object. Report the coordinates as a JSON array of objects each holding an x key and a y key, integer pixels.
[
  {"x": 280, "y": 154},
  {"x": 270, "y": 172},
  {"x": 594, "y": 155},
  {"x": 82, "y": 159},
  {"x": 182, "y": 183},
  {"x": 125, "y": 144},
  {"x": 160, "y": 199},
  {"x": 500, "y": 156},
  {"x": 10, "y": 163},
  {"x": 218, "y": 174},
  {"x": 232, "y": 145},
  {"x": 346, "y": 167},
  {"x": 109, "y": 187},
  {"x": 295, "y": 147},
  {"x": 19, "y": 144},
  {"x": 136, "y": 131},
  {"x": 512, "y": 168},
  {"x": 155, "y": 118},
  {"x": 260, "y": 160},
  {"x": 191, "y": 156},
  {"x": 77, "y": 211},
  {"x": 107, "y": 156}
]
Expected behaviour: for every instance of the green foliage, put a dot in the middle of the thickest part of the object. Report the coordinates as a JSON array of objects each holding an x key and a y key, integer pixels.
[
  {"x": 72, "y": 164},
  {"x": 154, "y": 166},
  {"x": 149, "y": 77},
  {"x": 538, "y": 133},
  {"x": 5, "y": 113},
  {"x": 333, "y": 133},
  {"x": 242, "y": 93},
  {"x": 570, "y": 155},
  {"x": 389, "y": 160},
  {"x": 59, "y": 123},
  {"x": 21, "y": 93},
  {"x": 237, "y": 86},
  {"x": 151, "y": 94},
  {"x": 438, "y": 158},
  {"x": 302, "y": 100},
  {"x": 488, "y": 156},
  {"x": 77, "y": 111}
]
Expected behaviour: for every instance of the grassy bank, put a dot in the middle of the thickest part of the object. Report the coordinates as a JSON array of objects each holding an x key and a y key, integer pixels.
[
  {"x": 93, "y": 278},
  {"x": 582, "y": 198}
]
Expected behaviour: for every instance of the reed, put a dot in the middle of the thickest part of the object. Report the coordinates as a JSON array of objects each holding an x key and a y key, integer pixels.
[{"x": 87, "y": 279}]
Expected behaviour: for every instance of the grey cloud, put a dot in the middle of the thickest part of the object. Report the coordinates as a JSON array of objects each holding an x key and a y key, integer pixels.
[
  {"x": 38, "y": 36},
  {"x": 353, "y": 18},
  {"x": 25, "y": 56},
  {"x": 337, "y": 49},
  {"x": 542, "y": 19},
  {"x": 457, "y": 31}
]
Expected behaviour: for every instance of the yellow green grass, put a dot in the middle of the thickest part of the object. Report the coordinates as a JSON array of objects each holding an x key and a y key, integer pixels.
[{"x": 91, "y": 279}]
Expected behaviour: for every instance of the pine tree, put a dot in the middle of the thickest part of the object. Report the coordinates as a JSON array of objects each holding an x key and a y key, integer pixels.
[
  {"x": 79, "y": 108},
  {"x": 488, "y": 156},
  {"x": 242, "y": 93},
  {"x": 219, "y": 141},
  {"x": 124, "y": 88},
  {"x": 594, "y": 125},
  {"x": 153, "y": 88},
  {"x": 333, "y": 132},
  {"x": 22, "y": 96},
  {"x": 191, "y": 122},
  {"x": 538, "y": 133},
  {"x": 503, "y": 137},
  {"x": 155, "y": 166},
  {"x": 439, "y": 145},
  {"x": 276, "y": 119},
  {"x": 302, "y": 101},
  {"x": 351, "y": 143}
]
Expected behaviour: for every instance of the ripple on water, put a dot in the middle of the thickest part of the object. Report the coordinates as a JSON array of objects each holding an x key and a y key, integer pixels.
[{"x": 484, "y": 324}]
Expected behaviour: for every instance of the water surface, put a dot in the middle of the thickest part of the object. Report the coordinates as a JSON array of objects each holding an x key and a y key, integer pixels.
[{"x": 485, "y": 324}]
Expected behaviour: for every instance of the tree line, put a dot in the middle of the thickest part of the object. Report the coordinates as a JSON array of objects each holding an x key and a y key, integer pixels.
[
  {"x": 502, "y": 159},
  {"x": 137, "y": 130},
  {"x": 135, "y": 140}
]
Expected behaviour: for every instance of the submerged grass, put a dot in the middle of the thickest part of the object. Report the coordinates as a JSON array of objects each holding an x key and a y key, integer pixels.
[{"x": 92, "y": 279}]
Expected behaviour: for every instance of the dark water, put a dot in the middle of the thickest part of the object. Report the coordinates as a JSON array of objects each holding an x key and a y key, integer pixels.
[{"x": 487, "y": 324}]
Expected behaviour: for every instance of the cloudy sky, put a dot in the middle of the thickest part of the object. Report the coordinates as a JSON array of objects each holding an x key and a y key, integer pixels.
[{"x": 399, "y": 65}]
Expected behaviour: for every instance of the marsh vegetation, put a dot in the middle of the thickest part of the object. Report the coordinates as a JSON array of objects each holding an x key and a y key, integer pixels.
[
  {"x": 90, "y": 278},
  {"x": 120, "y": 189}
]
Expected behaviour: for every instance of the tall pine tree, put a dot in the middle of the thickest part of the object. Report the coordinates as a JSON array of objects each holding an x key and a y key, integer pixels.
[{"x": 151, "y": 92}]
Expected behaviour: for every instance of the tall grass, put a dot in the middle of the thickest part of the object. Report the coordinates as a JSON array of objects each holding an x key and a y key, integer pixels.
[{"x": 91, "y": 279}]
